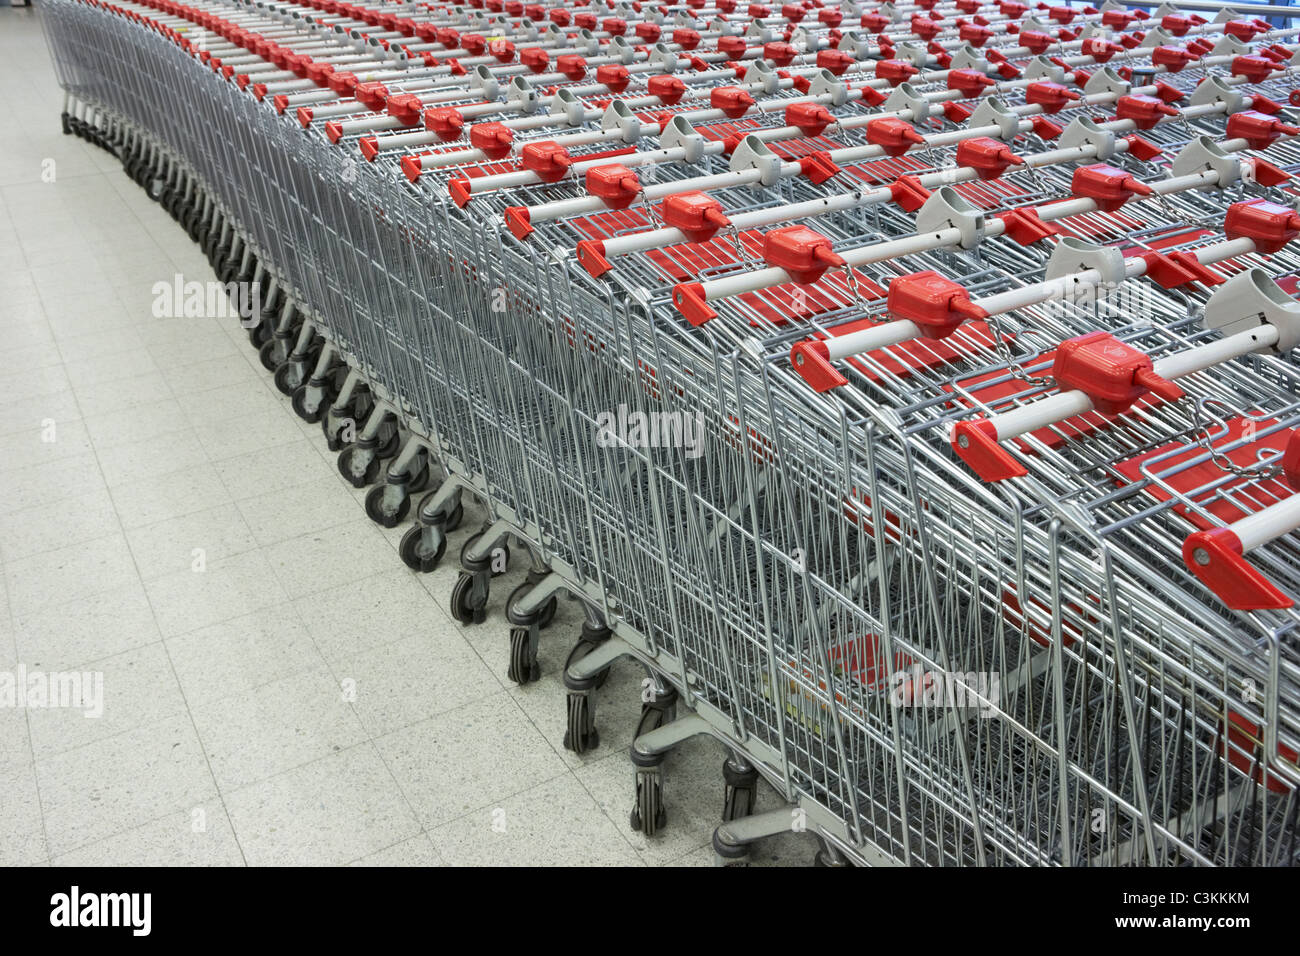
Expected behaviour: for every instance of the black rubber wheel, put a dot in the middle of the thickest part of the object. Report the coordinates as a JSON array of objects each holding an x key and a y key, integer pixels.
[
  {"x": 334, "y": 437},
  {"x": 580, "y": 737},
  {"x": 737, "y": 802},
  {"x": 453, "y": 518},
  {"x": 498, "y": 567},
  {"x": 581, "y": 650},
  {"x": 287, "y": 379},
  {"x": 505, "y": 560},
  {"x": 266, "y": 352},
  {"x": 362, "y": 404},
  {"x": 299, "y": 403},
  {"x": 523, "y": 665},
  {"x": 649, "y": 815},
  {"x": 389, "y": 446},
  {"x": 345, "y": 468},
  {"x": 258, "y": 338},
  {"x": 413, "y": 552},
  {"x": 375, "y": 506},
  {"x": 547, "y": 609},
  {"x": 420, "y": 480},
  {"x": 652, "y": 718},
  {"x": 463, "y": 608}
]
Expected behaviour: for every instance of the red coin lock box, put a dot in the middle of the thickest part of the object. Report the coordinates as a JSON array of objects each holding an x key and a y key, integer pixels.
[
  {"x": 1269, "y": 225},
  {"x": 697, "y": 215},
  {"x": 801, "y": 252},
  {"x": 615, "y": 185},
  {"x": 937, "y": 305},
  {"x": 1111, "y": 373}
]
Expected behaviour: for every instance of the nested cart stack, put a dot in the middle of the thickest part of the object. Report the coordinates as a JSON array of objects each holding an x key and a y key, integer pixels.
[{"x": 908, "y": 388}]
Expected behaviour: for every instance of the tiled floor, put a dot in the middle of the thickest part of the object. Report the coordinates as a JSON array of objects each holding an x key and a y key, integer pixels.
[{"x": 303, "y": 698}]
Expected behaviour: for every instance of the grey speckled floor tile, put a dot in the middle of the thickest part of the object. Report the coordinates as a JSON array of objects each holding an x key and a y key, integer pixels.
[
  {"x": 414, "y": 678},
  {"x": 136, "y": 687},
  {"x": 22, "y": 836},
  {"x": 233, "y": 657},
  {"x": 469, "y": 758},
  {"x": 199, "y": 836},
  {"x": 358, "y": 616},
  {"x": 417, "y": 851},
  {"x": 76, "y": 631},
  {"x": 556, "y": 823},
  {"x": 331, "y": 811},
  {"x": 122, "y": 782},
  {"x": 275, "y": 727}
]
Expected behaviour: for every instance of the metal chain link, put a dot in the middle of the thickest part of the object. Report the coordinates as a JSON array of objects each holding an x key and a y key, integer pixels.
[
  {"x": 1173, "y": 214},
  {"x": 1201, "y": 436},
  {"x": 649, "y": 208},
  {"x": 852, "y": 280},
  {"x": 1035, "y": 176},
  {"x": 1014, "y": 366}
]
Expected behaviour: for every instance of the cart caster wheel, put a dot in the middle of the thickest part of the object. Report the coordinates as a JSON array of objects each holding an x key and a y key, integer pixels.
[
  {"x": 333, "y": 432},
  {"x": 826, "y": 857},
  {"x": 416, "y": 555},
  {"x": 652, "y": 718},
  {"x": 390, "y": 446},
  {"x": 266, "y": 352},
  {"x": 545, "y": 614},
  {"x": 463, "y": 601},
  {"x": 349, "y": 474},
  {"x": 375, "y": 508},
  {"x": 287, "y": 378},
  {"x": 649, "y": 816},
  {"x": 420, "y": 481},
  {"x": 498, "y": 566},
  {"x": 258, "y": 338},
  {"x": 299, "y": 403},
  {"x": 581, "y": 650},
  {"x": 729, "y": 854},
  {"x": 450, "y": 521},
  {"x": 523, "y": 663},
  {"x": 739, "y": 793},
  {"x": 312, "y": 357},
  {"x": 581, "y": 736},
  {"x": 67, "y": 126}
]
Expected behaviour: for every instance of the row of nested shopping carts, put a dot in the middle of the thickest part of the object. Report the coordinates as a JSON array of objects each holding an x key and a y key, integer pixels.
[{"x": 906, "y": 386}]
